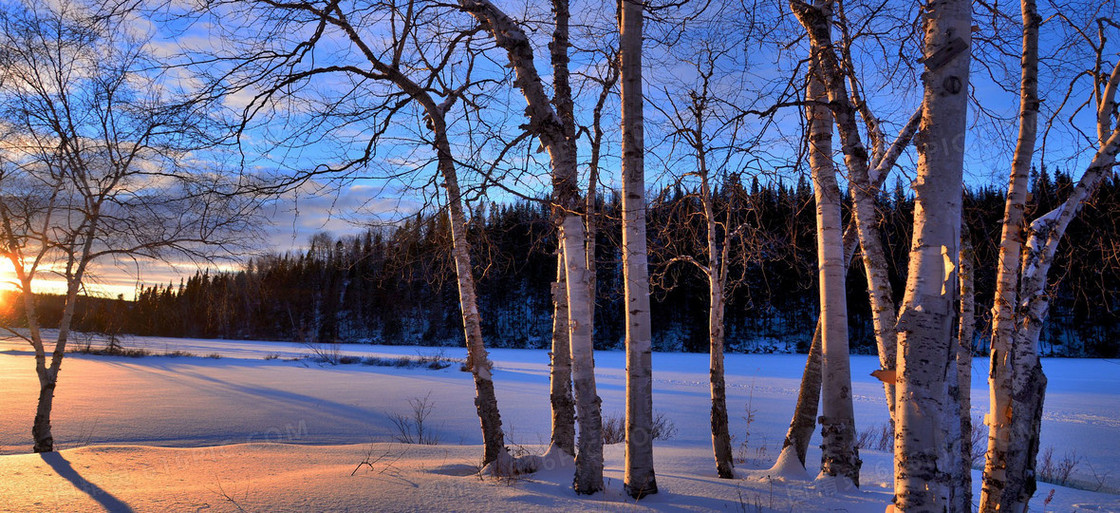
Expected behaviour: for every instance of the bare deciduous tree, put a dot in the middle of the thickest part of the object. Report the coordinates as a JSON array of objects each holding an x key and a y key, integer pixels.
[
  {"x": 1017, "y": 381},
  {"x": 555, "y": 129},
  {"x": 400, "y": 59},
  {"x": 97, "y": 165},
  {"x": 708, "y": 127}
]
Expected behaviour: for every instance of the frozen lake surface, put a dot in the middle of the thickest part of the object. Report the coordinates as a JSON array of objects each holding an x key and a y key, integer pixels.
[{"x": 221, "y": 418}]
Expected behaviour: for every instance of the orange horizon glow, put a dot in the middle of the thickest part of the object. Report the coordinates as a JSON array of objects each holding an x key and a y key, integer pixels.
[{"x": 47, "y": 283}]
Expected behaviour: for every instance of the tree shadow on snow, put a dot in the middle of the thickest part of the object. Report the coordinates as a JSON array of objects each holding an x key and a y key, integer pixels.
[{"x": 65, "y": 470}]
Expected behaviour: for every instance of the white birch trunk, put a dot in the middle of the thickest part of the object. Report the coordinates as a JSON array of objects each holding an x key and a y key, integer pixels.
[
  {"x": 804, "y": 419},
  {"x": 1003, "y": 367},
  {"x": 962, "y": 480},
  {"x": 566, "y": 194},
  {"x": 809, "y": 393},
  {"x": 560, "y": 370},
  {"x": 1028, "y": 385},
  {"x": 721, "y": 438},
  {"x": 1019, "y": 392},
  {"x": 589, "y": 456},
  {"x": 865, "y": 179},
  {"x": 639, "y": 479},
  {"x": 486, "y": 402},
  {"x": 716, "y": 272},
  {"x": 929, "y": 305},
  {"x": 839, "y": 456},
  {"x": 48, "y": 375}
]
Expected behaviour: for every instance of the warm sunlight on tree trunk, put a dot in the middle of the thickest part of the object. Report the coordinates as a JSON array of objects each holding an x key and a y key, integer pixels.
[{"x": 929, "y": 306}]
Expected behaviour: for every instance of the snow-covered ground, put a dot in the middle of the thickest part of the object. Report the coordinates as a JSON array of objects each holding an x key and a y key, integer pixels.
[{"x": 242, "y": 432}]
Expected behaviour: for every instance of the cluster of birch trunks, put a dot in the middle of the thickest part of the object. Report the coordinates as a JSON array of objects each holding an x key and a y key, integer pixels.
[{"x": 922, "y": 340}]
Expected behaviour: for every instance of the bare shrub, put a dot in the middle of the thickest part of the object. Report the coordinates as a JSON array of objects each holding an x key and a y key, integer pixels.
[
  {"x": 436, "y": 362},
  {"x": 414, "y": 428},
  {"x": 979, "y": 441},
  {"x": 614, "y": 428},
  {"x": 325, "y": 353},
  {"x": 663, "y": 427},
  {"x": 878, "y": 437},
  {"x": 1100, "y": 478},
  {"x": 116, "y": 350},
  {"x": 385, "y": 459},
  {"x": 1056, "y": 471},
  {"x": 865, "y": 438}
]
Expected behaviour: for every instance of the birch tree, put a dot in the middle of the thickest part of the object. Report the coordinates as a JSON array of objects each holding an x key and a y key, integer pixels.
[
  {"x": 96, "y": 167},
  {"x": 404, "y": 66},
  {"x": 1007, "y": 270},
  {"x": 560, "y": 371},
  {"x": 563, "y": 426},
  {"x": 708, "y": 125},
  {"x": 929, "y": 304},
  {"x": 1017, "y": 381},
  {"x": 556, "y": 131},
  {"x": 961, "y": 488},
  {"x": 828, "y": 84},
  {"x": 839, "y": 455},
  {"x": 866, "y": 173},
  {"x": 639, "y": 477}
]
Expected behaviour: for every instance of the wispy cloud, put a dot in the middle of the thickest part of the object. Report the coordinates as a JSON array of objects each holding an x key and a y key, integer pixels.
[{"x": 291, "y": 222}]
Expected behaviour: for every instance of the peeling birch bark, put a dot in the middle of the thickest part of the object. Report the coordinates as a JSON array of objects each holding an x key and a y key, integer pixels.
[{"x": 929, "y": 305}]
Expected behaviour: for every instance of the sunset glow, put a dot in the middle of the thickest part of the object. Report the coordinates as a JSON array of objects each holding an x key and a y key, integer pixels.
[{"x": 7, "y": 275}]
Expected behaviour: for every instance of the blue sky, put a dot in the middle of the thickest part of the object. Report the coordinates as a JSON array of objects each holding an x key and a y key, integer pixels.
[{"x": 750, "y": 74}]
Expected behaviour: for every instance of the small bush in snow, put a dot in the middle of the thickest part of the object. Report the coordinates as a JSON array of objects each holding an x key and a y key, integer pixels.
[
  {"x": 325, "y": 353},
  {"x": 614, "y": 428},
  {"x": 434, "y": 363},
  {"x": 115, "y": 350},
  {"x": 979, "y": 441},
  {"x": 1055, "y": 471},
  {"x": 878, "y": 437},
  {"x": 414, "y": 428}
]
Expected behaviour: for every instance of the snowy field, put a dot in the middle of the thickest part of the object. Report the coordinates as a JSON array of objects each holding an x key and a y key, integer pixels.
[{"x": 254, "y": 430}]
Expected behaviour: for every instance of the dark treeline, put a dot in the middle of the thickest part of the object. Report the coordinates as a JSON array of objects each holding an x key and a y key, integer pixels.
[{"x": 396, "y": 285}]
